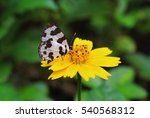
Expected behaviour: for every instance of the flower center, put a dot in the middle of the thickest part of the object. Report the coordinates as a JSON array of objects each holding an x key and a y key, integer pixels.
[{"x": 79, "y": 54}]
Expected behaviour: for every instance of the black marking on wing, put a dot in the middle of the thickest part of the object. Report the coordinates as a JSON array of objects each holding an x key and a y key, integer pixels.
[
  {"x": 44, "y": 34},
  {"x": 44, "y": 52},
  {"x": 48, "y": 43},
  {"x": 61, "y": 50},
  {"x": 60, "y": 40},
  {"x": 66, "y": 51},
  {"x": 50, "y": 55},
  {"x": 55, "y": 32},
  {"x": 49, "y": 25},
  {"x": 48, "y": 61}
]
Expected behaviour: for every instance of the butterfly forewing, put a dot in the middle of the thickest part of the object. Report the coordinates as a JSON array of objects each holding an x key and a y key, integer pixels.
[{"x": 53, "y": 43}]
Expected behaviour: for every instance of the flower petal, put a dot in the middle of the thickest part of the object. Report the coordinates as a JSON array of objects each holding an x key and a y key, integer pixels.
[
  {"x": 56, "y": 60},
  {"x": 105, "y": 61},
  {"x": 57, "y": 74},
  {"x": 101, "y": 72},
  {"x": 71, "y": 70},
  {"x": 79, "y": 41},
  {"x": 44, "y": 63},
  {"x": 60, "y": 63},
  {"x": 83, "y": 74},
  {"x": 98, "y": 52},
  {"x": 86, "y": 71}
]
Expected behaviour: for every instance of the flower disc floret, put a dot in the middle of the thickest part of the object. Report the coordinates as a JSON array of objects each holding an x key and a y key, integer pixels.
[{"x": 79, "y": 54}]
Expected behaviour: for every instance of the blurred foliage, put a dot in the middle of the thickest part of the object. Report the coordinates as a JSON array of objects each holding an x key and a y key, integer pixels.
[
  {"x": 122, "y": 25},
  {"x": 121, "y": 86}
]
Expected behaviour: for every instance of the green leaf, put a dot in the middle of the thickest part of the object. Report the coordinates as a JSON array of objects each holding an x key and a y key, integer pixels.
[
  {"x": 129, "y": 19},
  {"x": 36, "y": 91},
  {"x": 133, "y": 91},
  {"x": 121, "y": 75},
  {"x": 26, "y": 5},
  {"x": 122, "y": 80},
  {"x": 6, "y": 26},
  {"x": 93, "y": 83},
  {"x": 122, "y": 6},
  {"x": 143, "y": 27},
  {"x": 95, "y": 10},
  {"x": 92, "y": 95},
  {"x": 8, "y": 92},
  {"x": 141, "y": 63},
  {"x": 125, "y": 44},
  {"x": 110, "y": 90},
  {"x": 5, "y": 71},
  {"x": 104, "y": 93},
  {"x": 73, "y": 7},
  {"x": 110, "y": 94},
  {"x": 99, "y": 21},
  {"x": 26, "y": 48}
]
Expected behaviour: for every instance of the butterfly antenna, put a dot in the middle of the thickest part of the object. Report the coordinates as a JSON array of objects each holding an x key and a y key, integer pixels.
[{"x": 72, "y": 39}]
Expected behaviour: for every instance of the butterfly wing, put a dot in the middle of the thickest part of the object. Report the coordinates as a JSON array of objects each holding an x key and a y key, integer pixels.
[{"x": 53, "y": 43}]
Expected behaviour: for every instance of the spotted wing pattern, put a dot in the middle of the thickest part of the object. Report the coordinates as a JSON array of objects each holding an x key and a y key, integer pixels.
[{"x": 53, "y": 43}]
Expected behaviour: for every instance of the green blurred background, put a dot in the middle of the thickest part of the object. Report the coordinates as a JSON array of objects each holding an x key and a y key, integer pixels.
[{"x": 122, "y": 25}]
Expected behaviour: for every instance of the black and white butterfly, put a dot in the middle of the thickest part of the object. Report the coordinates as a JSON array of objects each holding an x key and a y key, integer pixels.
[{"x": 53, "y": 43}]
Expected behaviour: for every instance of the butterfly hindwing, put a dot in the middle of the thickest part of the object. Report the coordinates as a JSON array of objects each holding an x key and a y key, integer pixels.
[{"x": 53, "y": 43}]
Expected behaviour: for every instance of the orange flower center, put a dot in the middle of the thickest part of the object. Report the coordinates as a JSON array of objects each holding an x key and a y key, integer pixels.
[{"x": 79, "y": 54}]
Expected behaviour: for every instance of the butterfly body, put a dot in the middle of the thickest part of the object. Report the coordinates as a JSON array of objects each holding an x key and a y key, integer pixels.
[{"x": 53, "y": 43}]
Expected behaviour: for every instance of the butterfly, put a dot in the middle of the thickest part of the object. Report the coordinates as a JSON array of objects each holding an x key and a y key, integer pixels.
[{"x": 53, "y": 43}]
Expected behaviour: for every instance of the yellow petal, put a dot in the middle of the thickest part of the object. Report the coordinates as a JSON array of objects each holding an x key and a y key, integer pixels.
[
  {"x": 57, "y": 74},
  {"x": 98, "y": 52},
  {"x": 44, "y": 63},
  {"x": 106, "y": 61},
  {"x": 60, "y": 58},
  {"x": 83, "y": 74},
  {"x": 59, "y": 64},
  {"x": 86, "y": 71},
  {"x": 79, "y": 41},
  {"x": 101, "y": 72},
  {"x": 56, "y": 60},
  {"x": 71, "y": 71}
]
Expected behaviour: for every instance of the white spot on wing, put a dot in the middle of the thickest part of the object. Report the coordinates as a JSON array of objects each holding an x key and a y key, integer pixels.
[
  {"x": 58, "y": 36},
  {"x": 54, "y": 37}
]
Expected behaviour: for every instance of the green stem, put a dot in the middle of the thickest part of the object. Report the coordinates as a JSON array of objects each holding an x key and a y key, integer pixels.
[{"x": 79, "y": 87}]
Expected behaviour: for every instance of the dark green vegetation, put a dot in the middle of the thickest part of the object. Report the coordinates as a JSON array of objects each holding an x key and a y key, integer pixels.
[{"x": 122, "y": 25}]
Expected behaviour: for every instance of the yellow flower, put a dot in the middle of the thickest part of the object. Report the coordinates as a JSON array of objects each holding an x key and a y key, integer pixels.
[{"x": 83, "y": 60}]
